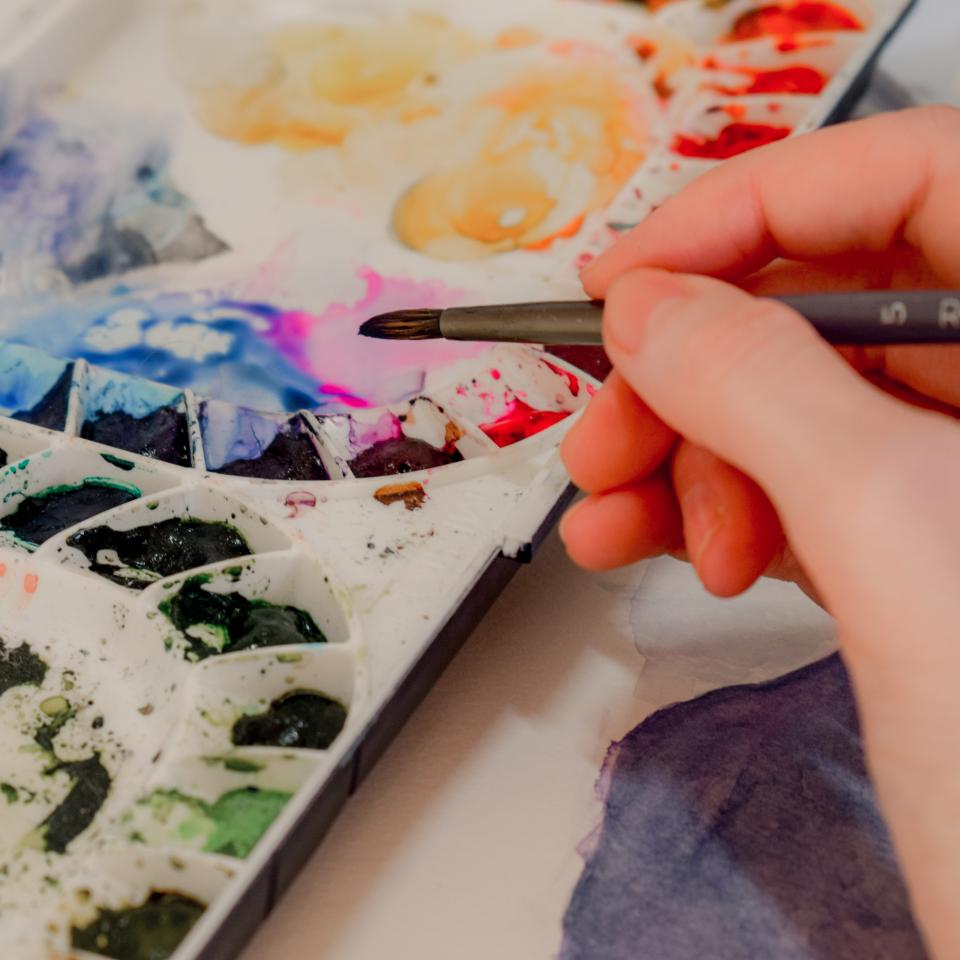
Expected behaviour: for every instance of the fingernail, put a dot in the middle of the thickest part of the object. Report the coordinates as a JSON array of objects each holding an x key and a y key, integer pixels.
[
  {"x": 702, "y": 518},
  {"x": 632, "y": 300}
]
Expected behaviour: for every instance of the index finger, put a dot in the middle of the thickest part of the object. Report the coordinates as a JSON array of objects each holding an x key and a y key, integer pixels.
[{"x": 865, "y": 186}]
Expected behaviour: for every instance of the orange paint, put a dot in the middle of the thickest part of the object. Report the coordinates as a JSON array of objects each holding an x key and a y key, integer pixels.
[
  {"x": 564, "y": 233},
  {"x": 515, "y": 38},
  {"x": 3, "y": 569},
  {"x": 788, "y": 19},
  {"x": 30, "y": 582},
  {"x": 798, "y": 80},
  {"x": 551, "y": 147},
  {"x": 313, "y": 83}
]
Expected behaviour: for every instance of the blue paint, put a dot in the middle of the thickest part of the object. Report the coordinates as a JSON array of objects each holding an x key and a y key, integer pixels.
[
  {"x": 85, "y": 194},
  {"x": 34, "y": 387},
  {"x": 216, "y": 347},
  {"x": 246, "y": 443},
  {"x": 740, "y": 825}
]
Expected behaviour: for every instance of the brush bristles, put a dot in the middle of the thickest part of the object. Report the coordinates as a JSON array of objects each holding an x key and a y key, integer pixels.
[{"x": 404, "y": 325}]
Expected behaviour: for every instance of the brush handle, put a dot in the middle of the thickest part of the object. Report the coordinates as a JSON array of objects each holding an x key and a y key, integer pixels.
[{"x": 847, "y": 319}]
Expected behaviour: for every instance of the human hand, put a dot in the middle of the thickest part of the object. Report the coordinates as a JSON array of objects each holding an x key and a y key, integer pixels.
[{"x": 731, "y": 433}]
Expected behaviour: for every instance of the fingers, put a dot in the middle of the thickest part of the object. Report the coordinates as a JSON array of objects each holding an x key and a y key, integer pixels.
[
  {"x": 624, "y": 526},
  {"x": 731, "y": 531},
  {"x": 748, "y": 380},
  {"x": 808, "y": 198},
  {"x": 617, "y": 441}
]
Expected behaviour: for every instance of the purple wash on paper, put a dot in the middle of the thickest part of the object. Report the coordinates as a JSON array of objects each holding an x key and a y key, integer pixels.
[
  {"x": 85, "y": 194},
  {"x": 743, "y": 825}
]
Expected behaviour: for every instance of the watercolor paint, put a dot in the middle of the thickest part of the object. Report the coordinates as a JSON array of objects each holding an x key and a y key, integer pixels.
[
  {"x": 217, "y": 623},
  {"x": 39, "y": 517},
  {"x": 149, "y": 553},
  {"x": 234, "y": 531},
  {"x": 302, "y": 719},
  {"x": 150, "y": 931}
]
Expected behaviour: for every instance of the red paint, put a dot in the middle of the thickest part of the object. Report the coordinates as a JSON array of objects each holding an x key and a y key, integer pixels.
[
  {"x": 298, "y": 499},
  {"x": 30, "y": 582},
  {"x": 733, "y": 139},
  {"x": 788, "y": 19},
  {"x": 788, "y": 80},
  {"x": 573, "y": 384},
  {"x": 521, "y": 421},
  {"x": 495, "y": 374}
]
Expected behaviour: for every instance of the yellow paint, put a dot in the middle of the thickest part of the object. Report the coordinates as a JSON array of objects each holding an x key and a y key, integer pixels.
[
  {"x": 557, "y": 145},
  {"x": 323, "y": 80}
]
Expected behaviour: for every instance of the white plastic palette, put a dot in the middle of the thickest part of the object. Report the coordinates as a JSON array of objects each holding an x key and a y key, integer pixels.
[{"x": 394, "y": 570}]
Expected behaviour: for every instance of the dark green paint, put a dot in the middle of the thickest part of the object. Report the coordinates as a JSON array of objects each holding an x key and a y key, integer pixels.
[
  {"x": 45, "y": 514},
  {"x": 300, "y": 719},
  {"x": 160, "y": 549},
  {"x": 151, "y": 931},
  {"x": 20, "y": 667},
  {"x": 241, "y": 623}
]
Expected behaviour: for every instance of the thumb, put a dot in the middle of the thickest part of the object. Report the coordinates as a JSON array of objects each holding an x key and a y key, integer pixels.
[{"x": 752, "y": 382}]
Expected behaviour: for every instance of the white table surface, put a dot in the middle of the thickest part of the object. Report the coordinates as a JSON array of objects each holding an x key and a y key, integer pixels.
[{"x": 462, "y": 843}]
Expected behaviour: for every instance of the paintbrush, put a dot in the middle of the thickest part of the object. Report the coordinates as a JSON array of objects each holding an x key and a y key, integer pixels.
[{"x": 848, "y": 319}]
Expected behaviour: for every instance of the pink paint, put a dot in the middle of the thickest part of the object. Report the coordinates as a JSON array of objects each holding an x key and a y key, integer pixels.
[
  {"x": 495, "y": 374},
  {"x": 364, "y": 435},
  {"x": 298, "y": 500},
  {"x": 519, "y": 422},
  {"x": 359, "y": 372}
]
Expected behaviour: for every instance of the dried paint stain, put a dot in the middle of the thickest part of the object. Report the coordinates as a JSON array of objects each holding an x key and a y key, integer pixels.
[
  {"x": 411, "y": 495},
  {"x": 151, "y": 931},
  {"x": 301, "y": 719},
  {"x": 219, "y": 623},
  {"x": 790, "y": 19},
  {"x": 230, "y": 826}
]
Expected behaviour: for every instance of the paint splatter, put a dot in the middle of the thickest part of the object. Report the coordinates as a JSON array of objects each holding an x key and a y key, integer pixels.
[
  {"x": 734, "y": 139},
  {"x": 786, "y": 20},
  {"x": 743, "y": 819},
  {"x": 521, "y": 421},
  {"x": 299, "y": 500}
]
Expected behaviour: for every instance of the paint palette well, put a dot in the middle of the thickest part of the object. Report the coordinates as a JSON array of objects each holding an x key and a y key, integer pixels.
[{"x": 237, "y": 541}]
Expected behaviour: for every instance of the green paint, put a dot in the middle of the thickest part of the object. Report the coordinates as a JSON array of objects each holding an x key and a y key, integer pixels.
[
  {"x": 151, "y": 931},
  {"x": 235, "y": 765},
  {"x": 157, "y": 550},
  {"x": 10, "y": 792},
  {"x": 46, "y": 734},
  {"x": 118, "y": 462},
  {"x": 300, "y": 719},
  {"x": 20, "y": 667},
  {"x": 231, "y": 826},
  {"x": 215, "y": 623},
  {"x": 91, "y": 784},
  {"x": 55, "y": 706},
  {"x": 45, "y": 514}
]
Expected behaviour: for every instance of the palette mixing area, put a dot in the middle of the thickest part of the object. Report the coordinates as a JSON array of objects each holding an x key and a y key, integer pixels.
[{"x": 237, "y": 542}]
